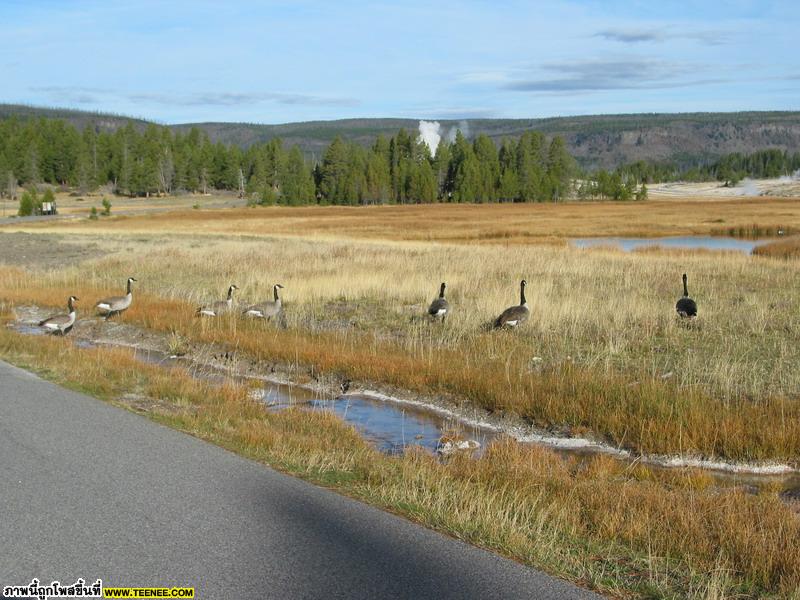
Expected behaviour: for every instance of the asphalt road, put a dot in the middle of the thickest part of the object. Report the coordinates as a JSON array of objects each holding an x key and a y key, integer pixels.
[{"x": 93, "y": 491}]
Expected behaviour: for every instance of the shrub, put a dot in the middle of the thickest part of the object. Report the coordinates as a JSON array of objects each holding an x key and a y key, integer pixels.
[
  {"x": 93, "y": 213},
  {"x": 106, "y": 207},
  {"x": 29, "y": 204}
]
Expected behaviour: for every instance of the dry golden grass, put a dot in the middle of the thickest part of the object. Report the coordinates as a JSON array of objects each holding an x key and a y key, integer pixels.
[
  {"x": 74, "y": 203},
  {"x": 788, "y": 248},
  {"x": 622, "y": 530},
  {"x": 615, "y": 360},
  {"x": 496, "y": 223}
]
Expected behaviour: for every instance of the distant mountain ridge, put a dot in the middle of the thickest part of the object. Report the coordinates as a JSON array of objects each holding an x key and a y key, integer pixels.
[{"x": 596, "y": 141}]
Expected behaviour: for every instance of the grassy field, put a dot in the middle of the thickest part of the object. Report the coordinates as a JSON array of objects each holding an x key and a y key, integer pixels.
[
  {"x": 627, "y": 531},
  {"x": 788, "y": 248},
  {"x": 486, "y": 223},
  {"x": 603, "y": 355},
  {"x": 603, "y": 351},
  {"x": 73, "y": 204}
]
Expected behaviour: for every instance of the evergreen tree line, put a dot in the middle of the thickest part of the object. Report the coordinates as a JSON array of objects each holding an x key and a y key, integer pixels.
[
  {"x": 730, "y": 168},
  {"x": 400, "y": 169}
]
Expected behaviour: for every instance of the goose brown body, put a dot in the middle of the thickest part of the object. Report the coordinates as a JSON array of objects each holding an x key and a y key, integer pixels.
[
  {"x": 268, "y": 309},
  {"x": 115, "y": 305},
  {"x": 514, "y": 316},
  {"x": 440, "y": 306},
  {"x": 61, "y": 323},
  {"x": 217, "y": 308}
]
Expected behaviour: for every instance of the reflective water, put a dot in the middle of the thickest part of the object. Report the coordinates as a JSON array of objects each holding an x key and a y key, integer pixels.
[
  {"x": 393, "y": 426},
  {"x": 687, "y": 242},
  {"x": 390, "y": 426}
]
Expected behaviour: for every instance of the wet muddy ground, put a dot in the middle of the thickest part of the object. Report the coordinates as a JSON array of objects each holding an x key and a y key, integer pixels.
[{"x": 390, "y": 419}]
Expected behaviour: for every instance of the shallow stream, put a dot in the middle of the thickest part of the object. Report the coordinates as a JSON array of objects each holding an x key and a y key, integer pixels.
[{"x": 394, "y": 425}]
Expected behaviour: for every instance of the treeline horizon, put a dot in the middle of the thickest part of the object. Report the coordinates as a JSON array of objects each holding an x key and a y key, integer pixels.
[
  {"x": 729, "y": 169},
  {"x": 400, "y": 169}
]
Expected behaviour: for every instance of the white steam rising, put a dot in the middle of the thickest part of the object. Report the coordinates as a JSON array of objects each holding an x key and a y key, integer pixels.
[
  {"x": 749, "y": 188},
  {"x": 790, "y": 178},
  {"x": 463, "y": 127},
  {"x": 429, "y": 132}
]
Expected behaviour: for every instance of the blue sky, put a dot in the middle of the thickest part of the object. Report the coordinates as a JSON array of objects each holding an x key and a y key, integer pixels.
[{"x": 274, "y": 62}]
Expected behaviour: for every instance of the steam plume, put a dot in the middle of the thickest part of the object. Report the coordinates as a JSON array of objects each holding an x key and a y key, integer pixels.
[{"x": 429, "y": 132}]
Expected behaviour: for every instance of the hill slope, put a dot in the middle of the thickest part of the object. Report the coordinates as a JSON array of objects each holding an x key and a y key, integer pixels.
[
  {"x": 596, "y": 140},
  {"x": 78, "y": 118}
]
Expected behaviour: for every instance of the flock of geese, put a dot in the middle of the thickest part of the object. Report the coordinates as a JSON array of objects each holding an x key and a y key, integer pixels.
[{"x": 511, "y": 317}]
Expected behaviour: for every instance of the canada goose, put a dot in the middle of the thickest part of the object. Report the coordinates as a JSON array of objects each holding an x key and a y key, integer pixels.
[
  {"x": 217, "y": 308},
  {"x": 440, "y": 305},
  {"x": 116, "y": 304},
  {"x": 61, "y": 323},
  {"x": 515, "y": 315},
  {"x": 686, "y": 307},
  {"x": 266, "y": 310}
]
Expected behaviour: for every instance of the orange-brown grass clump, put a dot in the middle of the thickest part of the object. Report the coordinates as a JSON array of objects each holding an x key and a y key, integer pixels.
[
  {"x": 755, "y": 231},
  {"x": 627, "y": 531},
  {"x": 521, "y": 223},
  {"x": 786, "y": 249},
  {"x": 647, "y": 416}
]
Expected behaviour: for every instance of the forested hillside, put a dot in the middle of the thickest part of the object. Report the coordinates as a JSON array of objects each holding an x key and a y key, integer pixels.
[
  {"x": 596, "y": 141},
  {"x": 730, "y": 168},
  {"x": 156, "y": 160},
  {"x": 152, "y": 159}
]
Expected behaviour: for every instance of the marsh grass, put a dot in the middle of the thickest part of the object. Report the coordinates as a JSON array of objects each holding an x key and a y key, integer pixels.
[
  {"x": 603, "y": 354},
  {"x": 621, "y": 368},
  {"x": 524, "y": 223},
  {"x": 624, "y": 530},
  {"x": 788, "y": 248},
  {"x": 755, "y": 231}
]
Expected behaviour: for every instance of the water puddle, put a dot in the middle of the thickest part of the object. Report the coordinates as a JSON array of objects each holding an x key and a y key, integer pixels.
[
  {"x": 689, "y": 242},
  {"x": 27, "y": 329},
  {"x": 393, "y": 425}
]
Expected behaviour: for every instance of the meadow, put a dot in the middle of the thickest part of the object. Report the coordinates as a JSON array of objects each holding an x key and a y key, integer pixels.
[
  {"x": 522, "y": 223},
  {"x": 603, "y": 355}
]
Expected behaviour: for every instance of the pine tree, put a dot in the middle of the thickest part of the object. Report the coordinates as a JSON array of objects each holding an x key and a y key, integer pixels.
[
  {"x": 441, "y": 167},
  {"x": 297, "y": 186},
  {"x": 486, "y": 155},
  {"x": 333, "y": 171},
  {"x": 378, "y": 180},
  {"x": 560, "y": 169},
  {"x": 466, "y": 173},
  {"x": 422, "y": 186}
]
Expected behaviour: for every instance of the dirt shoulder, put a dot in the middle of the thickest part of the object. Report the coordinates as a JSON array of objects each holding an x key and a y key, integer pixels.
[{"x": 21, "y": 249}]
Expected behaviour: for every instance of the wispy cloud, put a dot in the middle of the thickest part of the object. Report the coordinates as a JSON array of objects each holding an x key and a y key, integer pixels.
[
  {"x": 631, "y": 36},
  {"x": 461, "y": 113},
  {"x": 90, "y": 95},
  {"x": 70, "y": 94},
  {"x": 598, "y": 75},
  {"x": 638, "y": 35},
  {"x": 239, "y": 99}
]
